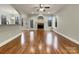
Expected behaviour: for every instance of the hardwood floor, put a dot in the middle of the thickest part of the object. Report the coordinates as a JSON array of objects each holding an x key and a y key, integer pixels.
[{"x": 40, "y": 42}]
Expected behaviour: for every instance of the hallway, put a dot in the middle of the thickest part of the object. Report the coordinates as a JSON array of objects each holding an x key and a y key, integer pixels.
[
  {"x": 40, "y": 42},
  {"x": 39, "y": 29}
]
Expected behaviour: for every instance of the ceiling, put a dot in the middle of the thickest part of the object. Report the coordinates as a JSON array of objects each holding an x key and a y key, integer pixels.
[
  {"x": 32, "y": 8},
  {"x": 7, "y": 9}
]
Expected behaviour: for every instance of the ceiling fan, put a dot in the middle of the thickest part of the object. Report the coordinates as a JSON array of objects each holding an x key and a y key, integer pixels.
[{"x": 42, "y": 7}]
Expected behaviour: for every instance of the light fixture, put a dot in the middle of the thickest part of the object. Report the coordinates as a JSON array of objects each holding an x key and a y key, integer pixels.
[
  {"x": 42, "y": 7},
  {"x": 48, "y": 12}
]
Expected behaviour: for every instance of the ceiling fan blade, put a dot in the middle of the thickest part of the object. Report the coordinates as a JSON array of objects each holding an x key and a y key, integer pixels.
[{"x": 47, "y": 7}]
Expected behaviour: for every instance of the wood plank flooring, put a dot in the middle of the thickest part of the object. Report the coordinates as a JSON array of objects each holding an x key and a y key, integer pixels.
[{"x": 40, "y": 42}]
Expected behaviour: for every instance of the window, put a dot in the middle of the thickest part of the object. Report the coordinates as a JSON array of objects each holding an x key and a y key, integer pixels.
[
  {"x": 17, "y": 20},
  {"x": 31, "y": 23},
  {"x": 54, "y": 22},
  {"x": 3, "y": 19},
  {"x": 21, "y": 21},
  {"x": 49, "y": 21}
]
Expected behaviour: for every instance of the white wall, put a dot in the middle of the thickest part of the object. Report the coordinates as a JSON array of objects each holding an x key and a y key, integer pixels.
[
  {"x": 9, "y": 12},
  {"x": 25, "y": 21},
  {"x": 68, "y": 21},
  {"x": 35, "y": 20}
]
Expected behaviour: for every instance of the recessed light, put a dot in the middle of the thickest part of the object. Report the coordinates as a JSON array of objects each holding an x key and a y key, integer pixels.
[
  {"x": 32, "y": 12},
  {"x": 48, "y": 12}
]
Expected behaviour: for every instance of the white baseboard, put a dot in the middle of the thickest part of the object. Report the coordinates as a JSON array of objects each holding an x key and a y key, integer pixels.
[
  {"x": 73, "y": 40},
  {"x": 7, "y": 41}
]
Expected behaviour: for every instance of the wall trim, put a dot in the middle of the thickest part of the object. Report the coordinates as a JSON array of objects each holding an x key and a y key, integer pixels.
[
  {"x": 73, "y": 40},
  {"x": 10, "y": 39}
]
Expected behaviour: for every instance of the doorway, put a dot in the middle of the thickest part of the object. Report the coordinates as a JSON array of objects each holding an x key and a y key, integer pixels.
[{"x": 40, "y": 26}]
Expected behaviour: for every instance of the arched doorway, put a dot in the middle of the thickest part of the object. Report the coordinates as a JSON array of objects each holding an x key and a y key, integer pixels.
[{"x": 40, "y": 22}]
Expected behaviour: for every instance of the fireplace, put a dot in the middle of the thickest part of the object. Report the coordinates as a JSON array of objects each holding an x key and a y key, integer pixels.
[{"x": 40, "y": 26}]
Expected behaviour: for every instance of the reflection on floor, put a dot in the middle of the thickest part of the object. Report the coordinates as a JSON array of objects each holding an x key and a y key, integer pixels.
[{"x": 40, "y": 42}]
